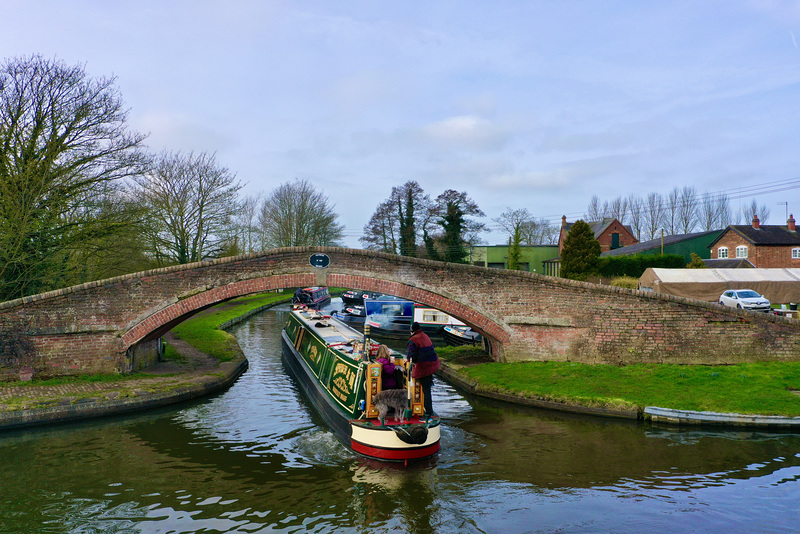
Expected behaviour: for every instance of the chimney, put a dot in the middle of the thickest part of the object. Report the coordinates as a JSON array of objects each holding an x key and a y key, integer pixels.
[
  {"x": 756, "y": 222},
  {"x": 563, "y": 221},
  {"x": 790, "y": 223}
]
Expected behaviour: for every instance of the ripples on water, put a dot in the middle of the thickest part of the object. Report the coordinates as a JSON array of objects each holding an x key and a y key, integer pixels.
[{"x": 256, "y": 458}]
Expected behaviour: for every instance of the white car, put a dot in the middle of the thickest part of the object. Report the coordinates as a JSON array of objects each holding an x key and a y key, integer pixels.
[{"x": 746, "y": 299}]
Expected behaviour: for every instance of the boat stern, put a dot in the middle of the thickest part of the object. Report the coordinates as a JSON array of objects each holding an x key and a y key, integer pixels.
[{"x": 394, "y": 441}]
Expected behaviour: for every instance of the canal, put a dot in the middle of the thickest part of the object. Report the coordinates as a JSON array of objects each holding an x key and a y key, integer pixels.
[{"x": 255, "y": 459}]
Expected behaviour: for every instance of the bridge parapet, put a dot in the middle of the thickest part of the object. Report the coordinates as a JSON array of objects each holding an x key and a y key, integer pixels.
[{"x": 526, "y": 316}]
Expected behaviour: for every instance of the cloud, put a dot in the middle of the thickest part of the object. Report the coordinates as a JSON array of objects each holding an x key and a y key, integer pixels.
[
  {"x": 468, "y": 132},
  {"x": 171, "y": 131}
]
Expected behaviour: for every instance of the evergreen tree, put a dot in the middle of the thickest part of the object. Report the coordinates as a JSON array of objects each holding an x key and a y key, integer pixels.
[
  {"x": 696, "y": 263},
  {"x": 514, "y": 249},
  {"x": 581, "y": 250},
  {"x": 408, "y": 232}
]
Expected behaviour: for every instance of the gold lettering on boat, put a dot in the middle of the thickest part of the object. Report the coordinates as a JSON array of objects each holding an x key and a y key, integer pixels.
[{"x": 343, "y": 380}]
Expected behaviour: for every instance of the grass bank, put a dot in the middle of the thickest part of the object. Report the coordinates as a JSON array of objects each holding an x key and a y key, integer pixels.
[
  {"x": 202, "y": 331},
  {"x": 748, "y": 388}
]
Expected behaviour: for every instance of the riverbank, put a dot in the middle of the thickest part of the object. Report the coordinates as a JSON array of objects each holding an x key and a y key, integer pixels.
[
  {"x": 205, "y": 359},
  {"x": 766, "y": 393}
]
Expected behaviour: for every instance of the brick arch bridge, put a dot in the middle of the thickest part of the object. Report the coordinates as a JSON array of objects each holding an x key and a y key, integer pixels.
[{"x": 109, "y": 325}]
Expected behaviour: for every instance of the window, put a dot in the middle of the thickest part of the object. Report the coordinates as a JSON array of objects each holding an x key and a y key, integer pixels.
[
  {"x": 795, "y": 253},
  {"x": 741, "y": 251},
  {"x": 434, "y": 316},
  {"x": 722, "y": 252}
]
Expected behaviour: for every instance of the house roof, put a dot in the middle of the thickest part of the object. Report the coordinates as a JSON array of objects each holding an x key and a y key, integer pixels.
[
  {"x": 764, "y": 235},
  {"x": 598, "y": 227},
  {"x": 729, "y": 263},
  {"x": 656, "y": 243}
]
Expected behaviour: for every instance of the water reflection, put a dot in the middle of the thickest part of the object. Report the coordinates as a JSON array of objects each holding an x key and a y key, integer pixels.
[{"x": 256, "y": 458}]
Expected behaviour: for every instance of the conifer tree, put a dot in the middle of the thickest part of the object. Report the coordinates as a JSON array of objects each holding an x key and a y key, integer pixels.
[{"x": 581, "y": 250}]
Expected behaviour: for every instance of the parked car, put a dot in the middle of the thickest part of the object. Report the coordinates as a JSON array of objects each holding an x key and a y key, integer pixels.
[{"x": 746, "y": 299}]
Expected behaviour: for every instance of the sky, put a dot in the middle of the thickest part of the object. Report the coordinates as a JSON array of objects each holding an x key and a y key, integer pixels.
[{"x": 521, "y": 104}]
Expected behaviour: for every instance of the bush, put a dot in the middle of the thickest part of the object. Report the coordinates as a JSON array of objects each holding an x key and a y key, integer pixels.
[
  {"x": 625, "y": 281},
  {"x": 635, "y": 265}
]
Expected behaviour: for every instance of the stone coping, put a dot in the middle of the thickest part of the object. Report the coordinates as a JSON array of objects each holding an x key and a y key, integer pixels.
[{"x": 689, "y": 417}]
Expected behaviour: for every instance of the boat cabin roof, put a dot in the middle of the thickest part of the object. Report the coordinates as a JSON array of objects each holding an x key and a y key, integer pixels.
[{"x": 331, "y": 330}]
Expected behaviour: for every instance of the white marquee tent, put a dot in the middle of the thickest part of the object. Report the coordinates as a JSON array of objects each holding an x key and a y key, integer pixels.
[{"x": 778, "y": 285}]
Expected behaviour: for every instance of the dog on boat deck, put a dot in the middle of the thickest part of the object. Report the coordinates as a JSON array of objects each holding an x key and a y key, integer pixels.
[{"x": 397, "y": 399}]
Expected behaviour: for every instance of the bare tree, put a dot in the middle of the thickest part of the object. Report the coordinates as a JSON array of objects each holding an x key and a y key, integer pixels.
[
  {"x": 64, "y": 145},
  {"x": 381, "y": 233},
  {"x": 539, "y": 232},
  {"x": 636, "y": 213},
  {"x": 245, "y": 223},
  {"x": 512, "y": 220},
  {"x": 688, "y": 208},
  {"x": 671, "y": 211},
  {"x": 296, "y": 214},
  {"x": 594, "y": 212},
  {"x": 190, "y": 202},
  {"x": 754, "y": 209},
  {"x": 617, "y": 209},
  {"x": 653, "y": 215}
]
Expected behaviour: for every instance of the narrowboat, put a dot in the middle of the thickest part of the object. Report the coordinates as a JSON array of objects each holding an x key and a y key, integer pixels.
[
  {"x": 313, "y": 297},
  {"x": 433, "y": 321},
  {"x": 354, "y": 297},
  {"x": 354, "y": 316},
  {"x": 389, "y": 317},
  {"x": 460, "y": 335},
  {"x": 334, "y": 366}
]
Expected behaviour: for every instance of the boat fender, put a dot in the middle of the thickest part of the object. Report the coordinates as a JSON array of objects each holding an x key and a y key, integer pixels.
[{"x": 417, "y": 436}]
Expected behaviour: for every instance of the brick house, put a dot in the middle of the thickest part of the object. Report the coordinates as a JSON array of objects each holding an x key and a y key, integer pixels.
[
  {"x": 767, "y": 246},
  {"x": 611, "y": 234}
]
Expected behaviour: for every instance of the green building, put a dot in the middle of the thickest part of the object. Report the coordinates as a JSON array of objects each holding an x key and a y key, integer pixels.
[
  {"x": 496, "y": 256},
  {"x": 683, "y": 245}
]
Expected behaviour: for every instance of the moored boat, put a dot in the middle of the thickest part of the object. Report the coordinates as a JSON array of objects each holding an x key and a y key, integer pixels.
[
  {"x": 336, "y": 371},
  {"x": 460, "y": 335},
  {"x": 354, "y": 316},
  {"x": 357, "y": 297},
  {"x": 313, "y": 297},
  {"x": 389, "y": 317},
  {"x": 432, "y": 321}
]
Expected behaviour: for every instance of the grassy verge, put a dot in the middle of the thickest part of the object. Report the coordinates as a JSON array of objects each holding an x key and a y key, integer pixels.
[
  {"x": 748, "y": 388},
  {"x": 202, "y": 330},
  {"x": 80, "y": 379}
]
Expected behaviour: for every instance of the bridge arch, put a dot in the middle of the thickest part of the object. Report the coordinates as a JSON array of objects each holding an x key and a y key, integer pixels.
[{"x": 528, "y": 316}]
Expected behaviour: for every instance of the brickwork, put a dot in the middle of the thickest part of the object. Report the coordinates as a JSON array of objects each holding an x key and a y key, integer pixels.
[
  {"x": 764, "y": 257},
  {"x": 526, "y": 316}
]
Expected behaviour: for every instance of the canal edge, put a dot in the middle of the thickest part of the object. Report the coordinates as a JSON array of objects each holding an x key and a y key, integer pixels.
[
  {"x": 91, "y": 408},
  {"x": 652, "y": 414}
]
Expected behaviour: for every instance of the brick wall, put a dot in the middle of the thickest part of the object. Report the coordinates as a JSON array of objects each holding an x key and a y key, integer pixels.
[{"x": 526, "y": 316}]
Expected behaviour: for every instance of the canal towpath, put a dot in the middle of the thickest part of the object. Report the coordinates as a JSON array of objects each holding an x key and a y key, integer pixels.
[{"x": 195, "y": 375}]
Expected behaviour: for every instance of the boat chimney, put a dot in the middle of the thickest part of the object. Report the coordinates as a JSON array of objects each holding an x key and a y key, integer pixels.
[
  {"x": 790, "y": 223},
  {"x": 756, "y": 222}
]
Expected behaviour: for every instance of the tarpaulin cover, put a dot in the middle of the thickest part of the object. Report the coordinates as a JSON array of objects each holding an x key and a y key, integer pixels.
[{"x": 778, "y": 285}]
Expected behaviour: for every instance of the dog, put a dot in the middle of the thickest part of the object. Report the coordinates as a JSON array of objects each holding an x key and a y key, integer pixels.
[{"x": 397, "y": 399}]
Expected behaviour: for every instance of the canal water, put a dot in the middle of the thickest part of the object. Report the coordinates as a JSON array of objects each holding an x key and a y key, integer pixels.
[{"x": 256, "y": 459}]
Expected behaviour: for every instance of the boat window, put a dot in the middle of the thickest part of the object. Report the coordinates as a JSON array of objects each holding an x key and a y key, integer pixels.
[{"x": 434, "y": 316}]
